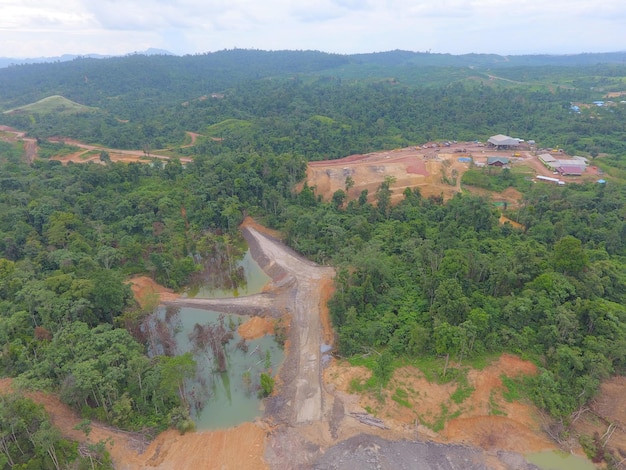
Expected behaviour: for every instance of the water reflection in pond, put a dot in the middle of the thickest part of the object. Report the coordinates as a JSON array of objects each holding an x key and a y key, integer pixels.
[
  {"x": 220, "y": 398},
  {"x": 245, "y": 278}
]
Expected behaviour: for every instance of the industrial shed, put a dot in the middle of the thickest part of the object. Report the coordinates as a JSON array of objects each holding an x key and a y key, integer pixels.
[
  {"x": 549, "y": 160},
  {"x": 570, "y": 170},
  {"x": 502, "y": 141}
]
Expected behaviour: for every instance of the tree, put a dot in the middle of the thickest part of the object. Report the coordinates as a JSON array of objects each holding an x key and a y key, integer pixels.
[
  {"x": 105, "y": 157},
  {"x": 267, "y": 384},
  {"x": 447, "y": 341},
  {"x": 174, "y": 372},
  {"x": 349, "y": 184},
  {"x": 383, "y": 194},
  {"x": 339, "y": 197},
  {"x": 569, "y": 256},
  {"x": 109, "y": 295},
  {"x": 449, "y": 304}
]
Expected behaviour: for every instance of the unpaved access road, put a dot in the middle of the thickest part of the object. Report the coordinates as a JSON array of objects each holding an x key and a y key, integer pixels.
[{"x": 298, "y": 290}]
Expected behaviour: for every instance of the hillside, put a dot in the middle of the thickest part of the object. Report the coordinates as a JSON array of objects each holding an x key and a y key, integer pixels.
[
  {"x": 51, "y": 104},
  {"x": 391, "y": 211}
]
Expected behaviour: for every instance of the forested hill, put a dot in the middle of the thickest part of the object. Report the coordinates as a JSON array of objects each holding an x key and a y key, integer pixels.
[
  {"x": 317, "y": 105},
  {"x": 193, "y": 74},
  {"x": 420, "y": 280}
]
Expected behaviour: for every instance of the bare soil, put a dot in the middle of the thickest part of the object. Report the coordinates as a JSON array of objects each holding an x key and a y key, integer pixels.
[
  {"x": 606, "y": 419},
  {"x": 411, "y": 167},
  {"x": 233, "y": 448},
  {"x": 427, "y": 406},
  {"x": 148, "y": 292},
  {"x": 256, "y": 327},
  {"x": 432, "y": 168}
]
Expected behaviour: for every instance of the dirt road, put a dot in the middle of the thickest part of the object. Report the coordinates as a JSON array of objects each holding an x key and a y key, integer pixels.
[{"x": 306, "y": 327}]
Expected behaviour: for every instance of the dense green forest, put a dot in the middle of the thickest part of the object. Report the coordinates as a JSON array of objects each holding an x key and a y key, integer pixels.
[
  {"x": 313, "y": 104},
  {"x": 423, "y": 277}
]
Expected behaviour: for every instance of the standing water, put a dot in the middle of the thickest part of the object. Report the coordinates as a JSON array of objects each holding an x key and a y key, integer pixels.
[
  {"x": 557, "y": 460},
  {"x": 225, "y": 391},
  {"x": 223, "y": 399},
  {"x": 250, "y": 279}
]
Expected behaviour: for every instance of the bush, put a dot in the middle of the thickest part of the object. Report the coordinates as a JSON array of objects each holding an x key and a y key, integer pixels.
[{"x": 267, "y": 385}]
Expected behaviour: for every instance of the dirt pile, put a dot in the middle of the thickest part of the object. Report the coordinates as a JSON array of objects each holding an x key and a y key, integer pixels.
[
  {"x": 147, "y": 292},
  {"x": 256, "y": 327}
]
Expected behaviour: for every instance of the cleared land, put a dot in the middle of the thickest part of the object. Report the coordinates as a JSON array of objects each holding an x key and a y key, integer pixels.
[{"x": 434, "y": 169}]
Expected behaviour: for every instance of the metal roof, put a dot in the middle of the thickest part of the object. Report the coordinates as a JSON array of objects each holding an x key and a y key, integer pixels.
[{"x": 502, "y": 140}]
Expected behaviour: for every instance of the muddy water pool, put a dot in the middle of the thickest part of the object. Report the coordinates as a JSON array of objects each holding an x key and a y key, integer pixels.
[
  {"x": 224, "y": 399},
  {"x": 251, "y": 281},
  {"x": 556, "y": 460}
]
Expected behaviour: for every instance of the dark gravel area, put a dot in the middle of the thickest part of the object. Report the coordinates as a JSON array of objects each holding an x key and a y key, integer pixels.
[{"x": 366, "y": 452}]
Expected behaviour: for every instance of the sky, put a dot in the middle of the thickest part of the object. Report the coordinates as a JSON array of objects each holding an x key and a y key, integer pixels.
[{"x": 41, "y": 28}]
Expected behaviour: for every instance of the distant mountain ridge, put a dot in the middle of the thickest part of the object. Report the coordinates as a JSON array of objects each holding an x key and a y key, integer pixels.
[
  {"x": 394, "y": 57},
  {"x": 8, "y": 61}
]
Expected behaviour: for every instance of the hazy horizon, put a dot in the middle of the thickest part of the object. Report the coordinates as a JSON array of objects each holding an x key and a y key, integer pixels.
[{"x": 514, "y": 27}]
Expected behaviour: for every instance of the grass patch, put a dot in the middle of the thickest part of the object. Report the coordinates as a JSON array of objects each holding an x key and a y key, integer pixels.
[
  {"x": 496, "y": 179},
  {"x": 445, "y": 415},
  {"x": 52, "y": 104},
  {"x": 430, "y": 366},
  {"x": 401, "y": 398},
  {"x": 462, "y": 392},
  {"x": 229, "y": 128},
  {"x": 55, "y": 149},
  {"x": 494, "y": 407},
  {"x": 512, "y": 389},
  {"x": 463, "y": 389},
  {"x": 482, "y": 361}
]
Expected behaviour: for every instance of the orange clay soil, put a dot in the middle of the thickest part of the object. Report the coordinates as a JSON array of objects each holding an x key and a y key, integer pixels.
[
  {"x": 147, "y": 292},
  {"x": 484, "y": 419},
  {"x": 327, "y": 291},
  {"x": 250, "y": 222},
  {"x": 234, "y": 448},
  {"x": 606, "y": 416},
  {"x": 256, "y": 327}
]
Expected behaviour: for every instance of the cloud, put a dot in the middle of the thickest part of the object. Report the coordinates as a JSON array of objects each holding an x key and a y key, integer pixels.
[{"x": 344, "y": 26}]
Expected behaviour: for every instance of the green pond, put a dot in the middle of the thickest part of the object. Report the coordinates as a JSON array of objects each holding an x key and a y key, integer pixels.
[
  {"x": 556, "y": 460},
  {"x": 220, "y": 399},
  {"x": 252, "y": 281},
  {"x": 228, "y": 398}
]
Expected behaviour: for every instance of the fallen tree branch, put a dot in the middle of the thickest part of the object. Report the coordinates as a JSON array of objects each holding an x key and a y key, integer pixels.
[{"x": 369, "y": 420}]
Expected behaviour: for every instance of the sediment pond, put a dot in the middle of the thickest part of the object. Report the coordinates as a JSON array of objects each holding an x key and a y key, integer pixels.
[
  {"x": 250, "y": 280},
  {"x": 227, "y": 398},
  {"x": 225, "y": 391}
]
